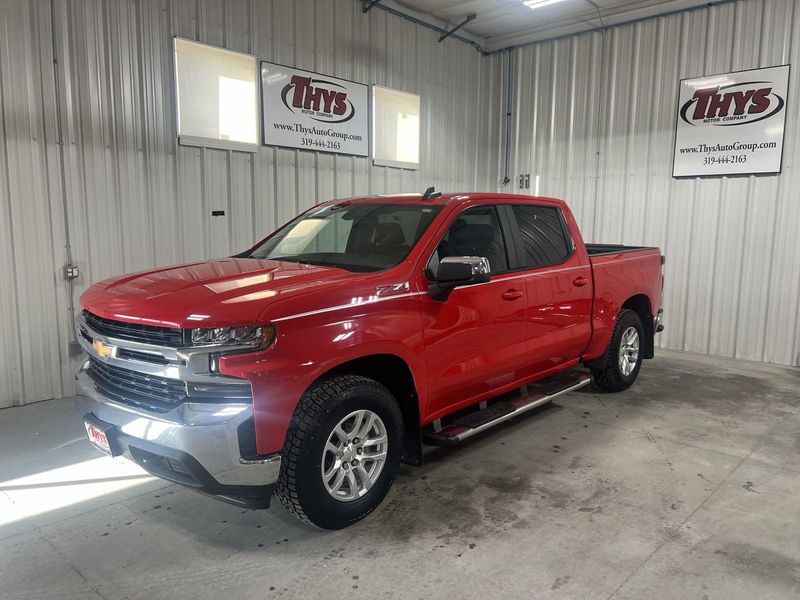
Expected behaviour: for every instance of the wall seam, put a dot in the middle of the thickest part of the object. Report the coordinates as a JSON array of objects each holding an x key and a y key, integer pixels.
[{"x": 12, "y": 246}]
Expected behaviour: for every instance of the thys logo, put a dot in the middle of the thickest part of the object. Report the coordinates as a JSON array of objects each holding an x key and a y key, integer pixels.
[
  {"x": 732, "y": 104},
  {"x": 321, "y": 100}
]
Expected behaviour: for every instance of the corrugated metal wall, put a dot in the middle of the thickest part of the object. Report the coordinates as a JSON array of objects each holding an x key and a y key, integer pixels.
[
  {"x": 594, "y": 119},
  {"x": 134, "y": 198},
  {"x": 593, "y": 123},
  {"x": 33, "y": 302}
]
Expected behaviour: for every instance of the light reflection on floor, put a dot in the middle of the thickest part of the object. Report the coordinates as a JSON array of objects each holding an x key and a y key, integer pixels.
[{"x": 54, "y": 489}]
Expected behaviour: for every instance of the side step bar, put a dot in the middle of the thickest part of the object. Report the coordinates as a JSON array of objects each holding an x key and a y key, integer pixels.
[{"x": 537, "y": 393}]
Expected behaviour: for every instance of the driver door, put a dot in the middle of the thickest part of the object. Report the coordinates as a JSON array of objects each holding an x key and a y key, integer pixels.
[{"x": 475, "y": 338}]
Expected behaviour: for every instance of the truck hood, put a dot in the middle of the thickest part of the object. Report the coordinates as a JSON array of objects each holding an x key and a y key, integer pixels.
[{"x": 225, "y": 292}]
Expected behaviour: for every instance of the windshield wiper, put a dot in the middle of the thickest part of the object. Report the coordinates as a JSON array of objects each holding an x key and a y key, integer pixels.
[
  {"x": 295, "y": 259},
  {"x": 302, "y": 260}
]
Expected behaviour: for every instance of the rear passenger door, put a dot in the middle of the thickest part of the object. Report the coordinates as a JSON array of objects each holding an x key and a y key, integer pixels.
[{"x": 558, "y": 284}]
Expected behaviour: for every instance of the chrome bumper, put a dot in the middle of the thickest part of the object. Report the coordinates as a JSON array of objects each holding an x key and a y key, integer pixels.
[
  {"x": 658, "y": 321},
  {"x": 199, "y": 439}
]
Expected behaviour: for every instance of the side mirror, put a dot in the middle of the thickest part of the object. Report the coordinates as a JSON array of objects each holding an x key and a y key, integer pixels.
[{"x": 455, "y": 271}]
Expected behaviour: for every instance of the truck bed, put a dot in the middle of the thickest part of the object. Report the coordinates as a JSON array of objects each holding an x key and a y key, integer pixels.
[
  {"x": 598, "y": 249},
  {"x": 620, "y": 273}
]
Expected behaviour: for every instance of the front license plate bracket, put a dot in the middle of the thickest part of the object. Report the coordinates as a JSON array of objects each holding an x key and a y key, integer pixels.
[{"x": 100, "y": 435}]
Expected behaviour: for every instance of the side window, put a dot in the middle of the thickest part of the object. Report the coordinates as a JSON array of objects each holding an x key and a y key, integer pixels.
[
  {"x": 544, "y": 239},
  {"x": 475, "y": 232}
]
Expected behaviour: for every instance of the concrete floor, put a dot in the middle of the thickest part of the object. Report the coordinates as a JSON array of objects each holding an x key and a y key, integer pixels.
[{"x": 686, "y": 486}]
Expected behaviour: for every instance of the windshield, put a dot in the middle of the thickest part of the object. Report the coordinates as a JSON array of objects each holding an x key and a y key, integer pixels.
[{"x": 358, "y": 237}]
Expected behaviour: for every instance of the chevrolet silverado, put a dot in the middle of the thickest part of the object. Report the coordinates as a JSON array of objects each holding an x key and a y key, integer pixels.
[{"x": 314, "y": 363}]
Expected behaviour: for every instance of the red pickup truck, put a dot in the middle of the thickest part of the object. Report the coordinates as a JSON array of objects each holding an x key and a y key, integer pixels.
[{"x": 314, "y": 363}]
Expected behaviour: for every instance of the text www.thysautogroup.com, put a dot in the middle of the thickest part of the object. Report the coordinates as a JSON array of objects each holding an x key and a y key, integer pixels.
[
  {"x": 309, "y": 140},
  {"x": 735, "y": 152}
]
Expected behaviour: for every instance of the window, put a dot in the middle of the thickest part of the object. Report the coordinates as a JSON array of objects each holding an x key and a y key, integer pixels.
[
  {"x": 358, "y": 237},
  {"x": 217, "y": 96},
  {"x": 395, "y": 128},
  {"x": 544, "y": 238},
  {"x": 475, "y": 232}
]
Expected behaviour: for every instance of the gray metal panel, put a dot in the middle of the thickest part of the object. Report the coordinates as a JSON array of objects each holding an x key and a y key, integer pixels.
[
  {"x": 135, "y": 198},
  {"x": 32, "y": 307},
  {"x": 594, "y": 119}
]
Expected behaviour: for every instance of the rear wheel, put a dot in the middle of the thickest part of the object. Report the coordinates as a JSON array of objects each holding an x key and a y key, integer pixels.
[
  {"x": 623, "y": 357},
  {"x": 342, "y": 451}
]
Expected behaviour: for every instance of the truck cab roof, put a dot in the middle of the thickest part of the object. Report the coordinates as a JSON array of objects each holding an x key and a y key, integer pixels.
[{"x": 445, "y": 198}]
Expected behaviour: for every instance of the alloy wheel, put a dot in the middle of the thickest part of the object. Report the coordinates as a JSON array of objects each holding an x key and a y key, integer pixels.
[
  {"x": 354, "y": 455},
  {"x": 628, "y": 351}
]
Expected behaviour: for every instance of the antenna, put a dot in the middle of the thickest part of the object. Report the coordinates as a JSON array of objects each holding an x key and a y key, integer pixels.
[{"x": 431, "y": 193}]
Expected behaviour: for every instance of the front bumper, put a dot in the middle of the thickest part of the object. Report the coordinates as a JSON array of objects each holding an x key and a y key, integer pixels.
[{"x": 196, "y": 444}]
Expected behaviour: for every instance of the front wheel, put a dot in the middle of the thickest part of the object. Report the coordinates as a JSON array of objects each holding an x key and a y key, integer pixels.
[
  {"x": 623, "y": 357},
  {"x": 342, "y": 451}
]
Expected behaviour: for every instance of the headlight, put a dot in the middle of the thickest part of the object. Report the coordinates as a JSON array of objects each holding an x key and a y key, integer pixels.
[{"x": 257, "y": 336}]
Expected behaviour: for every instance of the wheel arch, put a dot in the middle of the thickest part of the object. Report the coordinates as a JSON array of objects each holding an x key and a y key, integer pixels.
[
  {"x": 393, "y": 372},
  {"x": 641, "y": 305}
]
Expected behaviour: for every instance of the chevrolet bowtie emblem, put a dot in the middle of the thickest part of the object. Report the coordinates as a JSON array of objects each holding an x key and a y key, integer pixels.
[{"x": 102, "y": 349}]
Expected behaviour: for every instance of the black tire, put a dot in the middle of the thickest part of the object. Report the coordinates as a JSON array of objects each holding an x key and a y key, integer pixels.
[
  {"x": 300, "y": 486},
  {"x": 611, "y": 378}
]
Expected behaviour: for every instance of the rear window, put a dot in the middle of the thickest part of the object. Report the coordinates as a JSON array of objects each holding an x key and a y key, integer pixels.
[{"x": 544, "y": 237}]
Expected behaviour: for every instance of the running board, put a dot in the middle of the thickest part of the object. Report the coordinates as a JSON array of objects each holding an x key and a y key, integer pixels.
[{"x": 536, "y": 394}]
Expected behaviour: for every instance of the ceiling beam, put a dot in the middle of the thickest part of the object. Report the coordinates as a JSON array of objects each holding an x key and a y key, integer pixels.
[
  {"x": 429, "y": 21},
  {"x": 369, "y": 5},
  {"x": 447, "y": 34}
]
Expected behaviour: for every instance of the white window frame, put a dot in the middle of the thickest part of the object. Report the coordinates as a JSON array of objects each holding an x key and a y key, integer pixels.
[
  {"x": 205, "y": 142},
  {"x": 383, "y": 162}
]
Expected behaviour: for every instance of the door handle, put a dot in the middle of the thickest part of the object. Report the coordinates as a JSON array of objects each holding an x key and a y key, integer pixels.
[
  {"x": 580, "y": 282},
  {"x": 512, "y": 294}
]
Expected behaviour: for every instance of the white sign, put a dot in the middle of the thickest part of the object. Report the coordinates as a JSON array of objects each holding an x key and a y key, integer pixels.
[
  {"x": 310, "y": 111},
  {"x": 731, "y": 124}
]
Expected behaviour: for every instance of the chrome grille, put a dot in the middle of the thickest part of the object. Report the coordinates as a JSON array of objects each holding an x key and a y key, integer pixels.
[
  {"x": 172, "y": 337},
  {"x": 128, "y": 354},
  {"x": 159, "y": 394}
]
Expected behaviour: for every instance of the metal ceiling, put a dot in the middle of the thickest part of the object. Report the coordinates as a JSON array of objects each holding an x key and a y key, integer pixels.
[{"x": 503, "y": 23}]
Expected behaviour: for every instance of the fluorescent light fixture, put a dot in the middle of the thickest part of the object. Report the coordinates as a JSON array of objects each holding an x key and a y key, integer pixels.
[{"x": 540, "y": 3}]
